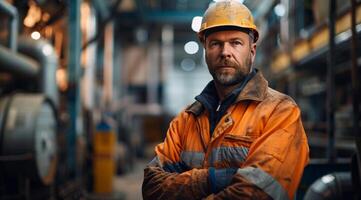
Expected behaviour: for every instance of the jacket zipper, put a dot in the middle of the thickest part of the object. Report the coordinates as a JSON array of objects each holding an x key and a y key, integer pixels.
[{"x": 219, "y": 106}]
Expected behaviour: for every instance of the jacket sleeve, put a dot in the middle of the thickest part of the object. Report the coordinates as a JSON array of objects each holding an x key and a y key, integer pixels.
[
  {"x": 166, "y": 177},
  {"x": 276, "y": 160}
]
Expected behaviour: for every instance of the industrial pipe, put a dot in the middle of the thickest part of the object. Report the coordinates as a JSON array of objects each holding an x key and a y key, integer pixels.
[
  {"x": 331, "y": 187},
  {"x": 74, "y": 52},
  {"x": 17, "y": 64},
  {"x": 43, "y": 52},
  {"x": 13, "y": 25}
]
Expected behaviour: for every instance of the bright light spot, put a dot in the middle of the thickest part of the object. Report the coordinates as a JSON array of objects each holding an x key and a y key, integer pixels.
[
  {"x": 280, "y": 10},
  {"x": 167, "y": 34},
  {"x": 47, "y": 50},
  {"x": 62, "y": 79},
  {"x": 33, "y": 16},
  {"x": 141, "y": 35},
  {"x": 223, "y": 0},
  {"x": 28, "y": 22},
  {"x": 191, "y": 47},
  {"x": 196, "y": 23},
  {"x": 343, "y": 36},
  {"x": 35, "y": 35},
  {"x": 45, "y": 17},
  {"x": 327, "y": 179},
  {"x": 188, "y": 64}
]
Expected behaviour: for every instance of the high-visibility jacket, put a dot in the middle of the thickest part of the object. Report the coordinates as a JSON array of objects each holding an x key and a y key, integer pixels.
[{"x": 261, "y": 134}]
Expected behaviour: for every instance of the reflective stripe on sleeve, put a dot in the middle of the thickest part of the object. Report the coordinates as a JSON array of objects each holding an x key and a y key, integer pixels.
[
  {"x": 189, "y": 160},
  {"x": 235, "y": 155},
  {"x": 155, "y": 162},
  {"x": 264, "y": 181},
  {"x": 178, "y": 167},
  {"x": 192, "y": 159}
]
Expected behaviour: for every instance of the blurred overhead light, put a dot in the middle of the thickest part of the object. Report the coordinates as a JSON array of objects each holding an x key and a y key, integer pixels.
[
  {"x": 141, "y": 35},
  {"x": 45, "y": 17},
  {"x": 327, "y": 179},
  {"x": 191, "y": 47},
  {"x": 47, "y": 50},
  {"x": 223, "y": 0},
  {"x": 280, "y": 10},
  {"x": 188, "y": 64},
  {"x": 167, "y": 34},
  {"x": 33, "y": 16},
  {"x": 196, "y": 23},
  {"x": 35, "y": 35},
  {"x": 343, "y": 36},
  {"x": 62, "y": 79}
]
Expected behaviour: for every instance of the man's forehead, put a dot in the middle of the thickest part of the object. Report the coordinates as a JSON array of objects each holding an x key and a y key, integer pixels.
[
  {"x": 227, "y": 34},
  {"x": 226, "y": 29}
]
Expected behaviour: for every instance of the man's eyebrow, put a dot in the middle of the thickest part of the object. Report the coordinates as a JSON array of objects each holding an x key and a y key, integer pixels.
[
  {"x": 237, "y": 38},
  {"x": 214, "y": 39},
  {"x": 230, "y": 39}
]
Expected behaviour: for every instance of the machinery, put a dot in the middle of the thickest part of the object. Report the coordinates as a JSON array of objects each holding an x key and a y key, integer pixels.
[
  {"x": 28, "y": 116},
  {"x": 28, "y": 143}
]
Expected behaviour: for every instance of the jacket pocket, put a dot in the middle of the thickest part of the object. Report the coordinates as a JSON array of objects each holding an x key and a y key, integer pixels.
[{"x": 237, "y": 141}]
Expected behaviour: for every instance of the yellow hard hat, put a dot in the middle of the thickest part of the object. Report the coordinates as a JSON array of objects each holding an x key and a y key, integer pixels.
[{"x": 227, "y": 13}]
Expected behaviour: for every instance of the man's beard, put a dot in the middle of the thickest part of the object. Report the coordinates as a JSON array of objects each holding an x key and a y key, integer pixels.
[{"x": 226, "y": 79}]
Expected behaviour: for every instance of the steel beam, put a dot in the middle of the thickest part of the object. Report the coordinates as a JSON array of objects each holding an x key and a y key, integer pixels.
[
  {"x": 73, "y": 80},
  {"x": 331, "y": 152},
  {"x": 169, "y": 17}
]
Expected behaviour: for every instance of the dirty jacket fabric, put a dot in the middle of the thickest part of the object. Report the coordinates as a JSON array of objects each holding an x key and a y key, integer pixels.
[{"x": 261, "y": 135}]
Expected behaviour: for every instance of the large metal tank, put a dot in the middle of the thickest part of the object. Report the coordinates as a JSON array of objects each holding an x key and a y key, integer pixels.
[{"x": 28, "y": 137}]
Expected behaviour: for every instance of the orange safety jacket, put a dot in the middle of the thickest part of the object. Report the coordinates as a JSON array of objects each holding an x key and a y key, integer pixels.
[{"x": 261, "y": 134}]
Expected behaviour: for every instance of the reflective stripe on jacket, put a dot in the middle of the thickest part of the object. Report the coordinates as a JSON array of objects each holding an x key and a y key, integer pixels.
[{"x": 261, "y": 134}]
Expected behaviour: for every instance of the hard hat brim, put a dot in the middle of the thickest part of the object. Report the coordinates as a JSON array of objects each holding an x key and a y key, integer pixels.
[{"x": 202, "y": 34}]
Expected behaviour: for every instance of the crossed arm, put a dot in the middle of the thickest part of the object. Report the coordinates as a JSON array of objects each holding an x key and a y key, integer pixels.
[{"x": 272, "y": 170}]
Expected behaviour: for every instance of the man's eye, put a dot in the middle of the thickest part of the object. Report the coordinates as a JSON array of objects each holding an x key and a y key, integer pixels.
[
  {"x": 236, "y": 43},
  {"x": 214, "y": 44}
]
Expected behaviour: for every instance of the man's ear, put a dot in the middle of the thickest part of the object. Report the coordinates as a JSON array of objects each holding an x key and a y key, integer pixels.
[
  {"x": 253, "y": 51},
  {"x": 202, "y": 39}
]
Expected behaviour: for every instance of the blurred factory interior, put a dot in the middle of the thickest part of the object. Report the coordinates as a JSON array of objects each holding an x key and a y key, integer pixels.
[{"x": 88, "y": 87}]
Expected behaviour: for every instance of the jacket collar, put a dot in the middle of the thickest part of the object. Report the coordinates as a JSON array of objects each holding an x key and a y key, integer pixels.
[
  {"x": 195, "y": 108},
  {"x": 255, "y": 90}
]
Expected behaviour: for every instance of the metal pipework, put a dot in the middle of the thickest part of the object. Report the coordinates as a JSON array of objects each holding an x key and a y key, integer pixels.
[
  {"x": 13, "y": 25},
  {"x": 331, "y": 187},
  {"x": 43, "y": 52},
  {"x": 74, "y": 52},
  {"x": 17, "y": 64}
]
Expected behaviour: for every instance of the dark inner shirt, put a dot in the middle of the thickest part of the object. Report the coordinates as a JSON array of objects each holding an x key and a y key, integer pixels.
[{"x": 210, "y": 100}]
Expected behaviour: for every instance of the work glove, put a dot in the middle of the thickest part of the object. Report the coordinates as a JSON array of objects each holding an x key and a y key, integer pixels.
[{"x": 220, "y": 178}]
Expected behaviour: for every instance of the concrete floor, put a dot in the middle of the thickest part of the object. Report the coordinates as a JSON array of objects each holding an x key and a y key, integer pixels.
[{"x": 130, "y": 183}]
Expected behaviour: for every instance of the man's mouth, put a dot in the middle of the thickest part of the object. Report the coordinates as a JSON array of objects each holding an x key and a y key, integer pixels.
[{"x": 225, "y": 67}]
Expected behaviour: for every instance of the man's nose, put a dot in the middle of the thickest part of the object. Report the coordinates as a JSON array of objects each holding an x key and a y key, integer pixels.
[{"x": 226, "y": 50}]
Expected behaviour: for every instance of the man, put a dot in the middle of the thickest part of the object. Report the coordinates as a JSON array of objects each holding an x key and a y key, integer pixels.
[{"x": 240, "y": 139}]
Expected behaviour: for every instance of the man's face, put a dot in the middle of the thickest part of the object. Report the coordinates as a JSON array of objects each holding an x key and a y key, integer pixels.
[{"x": 229, "y": 56}]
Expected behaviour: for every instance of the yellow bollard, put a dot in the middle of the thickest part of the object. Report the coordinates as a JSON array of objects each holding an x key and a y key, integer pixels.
[{"x": 104, "y": 162}]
